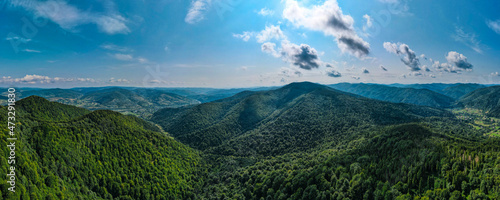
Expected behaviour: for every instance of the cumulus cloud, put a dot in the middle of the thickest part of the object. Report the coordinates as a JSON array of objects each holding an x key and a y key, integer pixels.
[
  {"x": 270, "y": 48},
  {"x": 245, "y": 36},
  {"x": 269, "y": 33},
  {"x": 494, "y": 25},
  {"x": 495, "y": 74},
  {"x": 458, "y": 60},
  {"x": 197, "y": 11},
  {"x": 265, "y": 12},
  {"x": 302, "y": 55},
  {"x": 69, "y": 17},
  {"x": 407, "y": 55},
  {"x": 383, "y": 68},
  {"x": 329, "y": 19},
  {"x": 333, "y": 73},
  {"x": 445, "y": 67}
]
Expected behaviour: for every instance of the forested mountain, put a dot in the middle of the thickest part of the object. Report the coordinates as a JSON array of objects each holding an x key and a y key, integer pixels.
[
  {"x": 301, "y": 141},
  {"x": 65, "y": 152},
  {"x": 454, "y": 91},
  {"x": 424, "y": 97},
  {"x": 486, "y": 99},
  {"x": 138, "y": 101},
  {"x": 295, "y": 117},
  {"x": 460, "y": 90}
]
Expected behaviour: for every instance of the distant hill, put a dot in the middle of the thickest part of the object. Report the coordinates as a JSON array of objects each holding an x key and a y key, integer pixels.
[
  {"x": 65, "y": 152},
  {"x": 424, "y": 97},
  {"x": 486, "y": 99},
  {"x": 455, "y": 90},
  {"x": 292, "y": 118},
  {"x": 460, "y": 90},
  {"x": 138, "y": 101}
]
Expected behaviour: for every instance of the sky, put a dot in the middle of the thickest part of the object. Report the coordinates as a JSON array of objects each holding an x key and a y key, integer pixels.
[{"x": 236, "y": 43}]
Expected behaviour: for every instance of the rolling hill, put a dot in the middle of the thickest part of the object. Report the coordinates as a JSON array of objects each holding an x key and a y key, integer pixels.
[
  {"x": 459, "y": 90},
  {"x": 424, "y": 97},
  {"x": 296, "y": 117},
  {"x": 137, "y": 101},
  {"x": 486, "y": 99}
]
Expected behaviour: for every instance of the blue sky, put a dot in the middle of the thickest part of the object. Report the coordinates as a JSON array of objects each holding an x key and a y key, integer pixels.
[{"x": 236, "y": 43}]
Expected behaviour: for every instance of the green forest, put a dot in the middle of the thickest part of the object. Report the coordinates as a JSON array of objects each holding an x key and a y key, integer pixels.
[{"x": 301, "y": 141}]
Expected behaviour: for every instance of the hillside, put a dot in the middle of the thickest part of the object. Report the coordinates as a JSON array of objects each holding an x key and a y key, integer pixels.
[
  {"x": 486, "y": 99},
  {"x": 424, "y": 97},
  {"x": 65, "y": 152},
  {"x": 460, "y": 90},
  {"x": 295, "y": 117},
  {"x": 137, "y": 101}
]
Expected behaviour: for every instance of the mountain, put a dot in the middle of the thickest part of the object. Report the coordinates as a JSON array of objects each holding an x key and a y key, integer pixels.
[
  {"x": 65, "y": 152},
  {"x": 424, "y": 97},
  {"x": 486, "y": 99},
  {"x": 296, "y": 117},
  {"x": 137, "y": 101},
  {"x": 460, "y": 90},
  {"x": 454, "y": 91},
  {"x": 164, "y": 99}
]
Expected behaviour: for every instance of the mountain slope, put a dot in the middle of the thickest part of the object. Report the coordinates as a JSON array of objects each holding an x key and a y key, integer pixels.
[
  {"x": 460, "y": 90},
  {"x": 94, "y": 155},
  {"x": 295, "y": 117},
  {"x": 486, "y": 99},
  {"x": 424, "y": 97}
]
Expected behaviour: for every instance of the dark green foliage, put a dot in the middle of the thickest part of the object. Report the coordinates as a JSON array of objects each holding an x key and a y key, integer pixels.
[
  {"x": 486, "y": 99},
  {"x": 424, "y": 97},
  {"x": 65, "y": 152},
  {"x": 296, "y": 117}
]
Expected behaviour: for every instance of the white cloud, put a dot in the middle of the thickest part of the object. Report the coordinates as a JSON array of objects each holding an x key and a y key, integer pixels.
[
  {"x": 269, "y": 33},
  {"x": 494, "y": 25},
  {"x": 20, "y": 39},
  {"x": 408, "y": 56},
  {"x": 458, "y": 60},
  {"x": 329, "y": 19},
  {"x": 31, "y": 51},
  {"x": 40, "y": 79},
  {"x": 120, "y": 80},
  {"x": 113, "y": 47},
  {"x": 124, "y": 57},
  {"x": 266, "y": 12},
  {"x": 69, "y": 17},
  {"x": 245, "y": 36},
  {"x": 197, "y": 11},
  {"x": 270, "y": 48},
  {"x": 369, "y": 22},
  {"x": 495, "y": 74},
  {"x": 469, "y": 39}
]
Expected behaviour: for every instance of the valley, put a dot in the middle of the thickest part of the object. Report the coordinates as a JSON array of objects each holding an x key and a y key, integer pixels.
[{"x": 300, "y": 141}]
